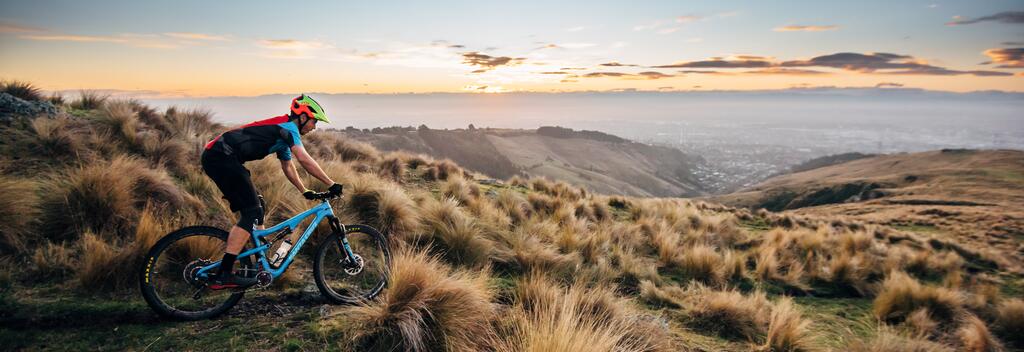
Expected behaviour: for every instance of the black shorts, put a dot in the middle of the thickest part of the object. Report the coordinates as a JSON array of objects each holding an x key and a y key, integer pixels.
[{"x": 232, "y": 178}]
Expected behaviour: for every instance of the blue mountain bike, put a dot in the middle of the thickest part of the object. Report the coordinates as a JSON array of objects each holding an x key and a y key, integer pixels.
[{"x": 350, "y": 264}]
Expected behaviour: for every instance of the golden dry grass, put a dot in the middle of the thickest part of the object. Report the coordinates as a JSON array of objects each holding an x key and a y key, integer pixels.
[
  {"x": 18, "y": 209},
  {"x": 901, "y": 295},
  {"x": 427, "y": 307}
]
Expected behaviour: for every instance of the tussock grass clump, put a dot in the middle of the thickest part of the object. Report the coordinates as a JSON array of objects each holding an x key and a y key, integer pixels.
[
  {"x": 52, "y": 261},
  {"x": 729, "y": 314},
  {"x": 454, "y": 235},
  {"x": 55, "y": 138},
  {"x": 121, "y": 120},
  {"x": 974, "y": 336},
  {"x": 442, "y": 170},
  {"x": 901, "y": 295},
  {"x": 546, "y": 317},
  {"x": 391, "y": 167},
  {"x": 521, "y": 251},
  {"x": 699, "y": 263},
  {"x": 109, "y": 265},
  {"x": 1009, "y": 322},
  {"x": 90, "y": 100},
  {"x": 21, "y": 90},
  {"x": 671, "y": 296},
  {"x": 888, "y": 340},
  {"x": 458, "y": 188},
  {"x": 18, "y": 209},
  {"x": 384, "y": 206},
  {"x": 427, "y": 307},
  {"x": 787, "y": 329},
  {"x": 105, "y": 197}
]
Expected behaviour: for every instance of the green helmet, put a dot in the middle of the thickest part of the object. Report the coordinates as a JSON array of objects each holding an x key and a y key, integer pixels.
[{"x": 303, "y": 104}]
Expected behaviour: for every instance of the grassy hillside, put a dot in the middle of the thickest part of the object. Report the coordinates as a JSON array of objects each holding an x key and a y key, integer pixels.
[
  {"x": 529, "y": 265},
  {"x": 596, "y": 161},
  {"x": 975, "y": 197}
]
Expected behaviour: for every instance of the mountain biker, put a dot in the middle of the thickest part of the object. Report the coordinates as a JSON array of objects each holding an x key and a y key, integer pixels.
[{"x": 222, "y": 161}]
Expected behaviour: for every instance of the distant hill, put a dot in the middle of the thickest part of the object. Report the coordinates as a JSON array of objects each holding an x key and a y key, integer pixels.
[
  {"x": 977, "y": 195},
  {"x": 827, "y": 160},
  {"x": 600, "y": 162}
]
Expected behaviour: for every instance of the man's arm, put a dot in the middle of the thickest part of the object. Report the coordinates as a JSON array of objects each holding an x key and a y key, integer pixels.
[
  {"x": 310, "y": 165},
  {"x": 292, "y": 175}
]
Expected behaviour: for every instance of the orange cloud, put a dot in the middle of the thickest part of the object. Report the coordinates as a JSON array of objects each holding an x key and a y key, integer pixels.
[{"x": 799, "y": 28}]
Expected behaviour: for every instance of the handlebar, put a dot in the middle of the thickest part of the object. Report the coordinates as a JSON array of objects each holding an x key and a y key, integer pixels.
[{"x": 324, "y": 196}]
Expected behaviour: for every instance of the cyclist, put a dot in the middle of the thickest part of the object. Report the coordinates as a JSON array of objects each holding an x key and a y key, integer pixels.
[{"x": 222, "y": 161}]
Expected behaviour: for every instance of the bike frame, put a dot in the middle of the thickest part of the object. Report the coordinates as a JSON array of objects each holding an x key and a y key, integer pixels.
[{"x": 321, "y": 211}]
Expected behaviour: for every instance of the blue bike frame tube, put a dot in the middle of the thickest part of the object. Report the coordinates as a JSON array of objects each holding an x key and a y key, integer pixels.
[{"x": 320, "y": 211}]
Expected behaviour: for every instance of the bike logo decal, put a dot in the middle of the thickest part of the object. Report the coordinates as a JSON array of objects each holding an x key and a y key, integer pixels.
[{"x": 149, "y": 265}]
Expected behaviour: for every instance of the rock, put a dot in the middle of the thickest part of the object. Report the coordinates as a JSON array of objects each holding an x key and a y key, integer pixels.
[{"x": 12, "y": 106}]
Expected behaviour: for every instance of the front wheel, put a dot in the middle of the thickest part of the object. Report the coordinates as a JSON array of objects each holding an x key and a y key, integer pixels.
[{"x": 350, "y": 280}]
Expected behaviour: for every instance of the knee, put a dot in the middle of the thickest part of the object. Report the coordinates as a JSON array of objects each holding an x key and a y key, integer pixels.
[{"x": 251, "y": 217}]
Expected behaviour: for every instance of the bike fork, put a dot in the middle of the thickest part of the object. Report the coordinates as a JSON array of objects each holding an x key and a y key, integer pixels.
[{"x": 338, "y": 228}]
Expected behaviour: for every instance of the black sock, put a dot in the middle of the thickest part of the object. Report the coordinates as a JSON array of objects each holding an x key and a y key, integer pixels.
[{"x": 227, "y": 264}]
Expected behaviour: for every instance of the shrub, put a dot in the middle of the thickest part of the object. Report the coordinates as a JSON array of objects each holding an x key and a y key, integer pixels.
[{"x": 427, "y": 307}]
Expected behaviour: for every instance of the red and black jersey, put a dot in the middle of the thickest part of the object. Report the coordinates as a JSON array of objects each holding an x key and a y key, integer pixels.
[{"x": 258, "y": 139}]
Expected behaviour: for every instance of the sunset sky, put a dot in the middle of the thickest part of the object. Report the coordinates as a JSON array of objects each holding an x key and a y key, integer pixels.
[{"x": 233, "y": 48}]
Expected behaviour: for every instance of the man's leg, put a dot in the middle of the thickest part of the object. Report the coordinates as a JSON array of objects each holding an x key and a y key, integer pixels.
[{"x": 237, "y": 238}]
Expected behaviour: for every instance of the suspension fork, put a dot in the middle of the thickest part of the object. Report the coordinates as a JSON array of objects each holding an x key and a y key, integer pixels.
[{"x": 338, "y": 228}]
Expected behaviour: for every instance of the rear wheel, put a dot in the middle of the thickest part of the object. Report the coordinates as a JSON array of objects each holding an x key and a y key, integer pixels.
[
  {"x": 349, "y": 280},
  {"x": 168, "y": 277}
]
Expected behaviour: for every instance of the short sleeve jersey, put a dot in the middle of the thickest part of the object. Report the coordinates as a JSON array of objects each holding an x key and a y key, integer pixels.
[{"x": 258, "y": 139}]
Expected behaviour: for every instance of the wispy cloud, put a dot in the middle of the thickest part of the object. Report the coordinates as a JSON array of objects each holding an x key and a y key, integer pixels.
[
  {"x": 170, "y": 40},
  {"x": 1012, "y": 17},
  {"x": 487, "y": 62},
  {"x": 876, "y": 63},
  {"x": 805, "y": 28},
  {"x": 575, "y": 29},
  {"x": 11, "y": 27},
  {"x": 744, "y": 61},
  {"x": 888, "y": 85},
  {"x": 292, "y": 44},
  {"x": 1005, "y": 57},
  {"x": 688, "y": 18},
  {"x": 196, "y": 36},
  {"x": 74, "y": 38},
  {"x": 785, "y": 71},
  {"x": 646, "y": 75},
  {"x": 615, "y": 64},
  {"x": 297, "y": 49}
]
